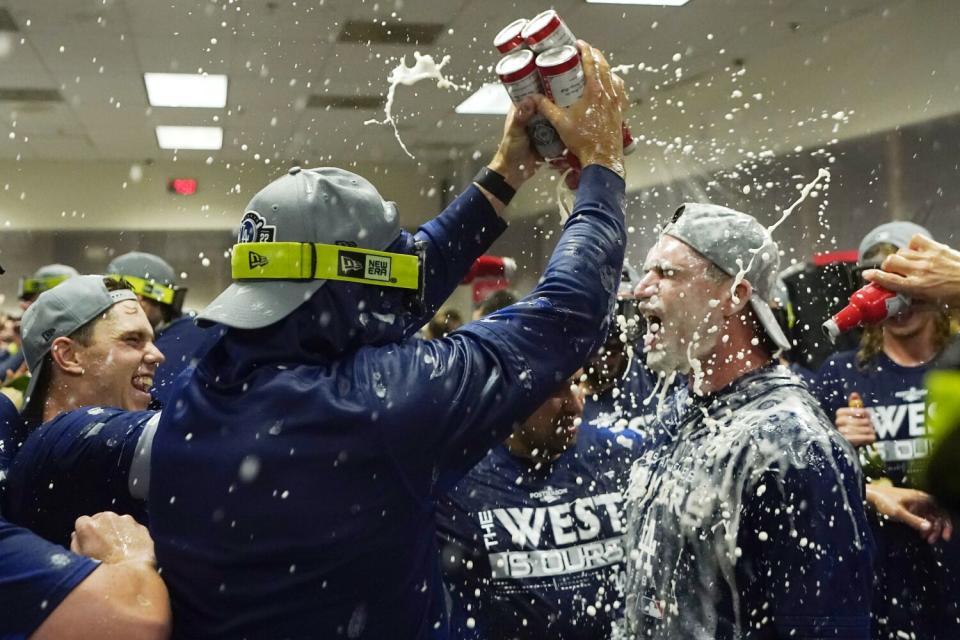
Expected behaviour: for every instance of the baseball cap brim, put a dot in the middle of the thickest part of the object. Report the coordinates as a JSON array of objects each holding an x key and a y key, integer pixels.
[
  {"x": 769, "y": 322},
  {"x": 254, "y": 305}
]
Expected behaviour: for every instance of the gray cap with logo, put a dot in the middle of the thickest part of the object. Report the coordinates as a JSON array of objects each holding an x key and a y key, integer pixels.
[
  {"x": 897, "y": 233},
  {"x": 736, "y": 243},
  {"x": 59, "y": 312},
  {"x": 325, "y": 205},
  {"x": 143, "y": 265}
]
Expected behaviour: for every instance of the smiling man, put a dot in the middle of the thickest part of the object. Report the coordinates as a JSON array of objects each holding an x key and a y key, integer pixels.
[
  {"x": 749, "y": 521},
  {"x": 90, "y": 350}
]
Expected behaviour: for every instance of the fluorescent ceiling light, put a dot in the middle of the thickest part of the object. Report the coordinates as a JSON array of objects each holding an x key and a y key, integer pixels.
[
  {"x": 649, "y": 3},
  {"x": 189, "y": 137},
  {"x": 186, "y": 90},
  {"x": 490, "y": 99}
]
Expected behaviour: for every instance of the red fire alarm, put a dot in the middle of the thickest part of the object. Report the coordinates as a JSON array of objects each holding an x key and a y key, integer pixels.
[{"x": 183, "y": 186}]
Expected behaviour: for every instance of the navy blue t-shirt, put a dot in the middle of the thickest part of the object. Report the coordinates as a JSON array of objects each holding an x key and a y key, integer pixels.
[
  {"x": 77, "y": 464},
  {"x": 532, "y": 552},
  {"x": 35, "y": 577},
  {"x": 917, "y": 588},
  {"x": 894, "y": 397},
  {"x": 11, "y": 430},
  {"x": 182, "y": 344}
]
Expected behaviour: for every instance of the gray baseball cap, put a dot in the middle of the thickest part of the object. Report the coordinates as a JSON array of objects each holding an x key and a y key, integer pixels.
[
  {"x": 143, "y": 265},
  {"x": 325, "y": 205},
  {"x": 59, "y": 312},
  {"x": 897, "y": 233},
  {"x": 735, "y": 242},
  {"x": 46, "y": 277}
]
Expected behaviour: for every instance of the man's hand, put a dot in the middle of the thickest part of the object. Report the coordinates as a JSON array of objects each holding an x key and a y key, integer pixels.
[
  {"x": 855, "y": 425},
  {"x": 590, "y": 127},
  {"x": 925, "y": 270},
  {"x": 516, "y": 159},
  {"x": 112, "y": 539},
  {"x": 915, "y": 509}
]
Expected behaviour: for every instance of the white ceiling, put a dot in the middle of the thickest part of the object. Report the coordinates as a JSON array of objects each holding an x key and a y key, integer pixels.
[{"x": 278, "y": 52}]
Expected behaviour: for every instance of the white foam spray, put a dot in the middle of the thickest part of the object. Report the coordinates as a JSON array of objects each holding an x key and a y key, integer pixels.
[
  {"x": 424, "y": 68},
  {"x": 822, "y": 174}
]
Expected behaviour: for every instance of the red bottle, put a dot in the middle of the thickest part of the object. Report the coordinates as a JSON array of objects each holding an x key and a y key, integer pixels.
[{"x": 869, "y": 305}]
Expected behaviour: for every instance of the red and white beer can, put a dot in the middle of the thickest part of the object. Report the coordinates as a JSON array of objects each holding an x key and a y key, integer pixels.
[
  {"x": 510, "y": 37},
  {"x": 518, "y": 75},
  {"x": 563, "y": 82},
  {"x": 547, "y": 30},
  {"x": 562, "y": 74}
]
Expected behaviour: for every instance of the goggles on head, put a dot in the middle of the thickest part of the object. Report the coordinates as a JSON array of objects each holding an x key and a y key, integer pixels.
[
  {"x": 32, "y": 287},
  {"x": 163, "y": 293},
  {"x": 314, "y": 261}
]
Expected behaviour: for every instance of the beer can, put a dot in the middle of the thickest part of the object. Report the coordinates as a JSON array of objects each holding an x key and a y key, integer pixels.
[
  {"x": 510, "y": 37},
  {"x": 563, "y": 81},
  {"x": 562, "y": 74},
  {"x": 546, "y": 31},
  {"x": 518, "y": 74}
]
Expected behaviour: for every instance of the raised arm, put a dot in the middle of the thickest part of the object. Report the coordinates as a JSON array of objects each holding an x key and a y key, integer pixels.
[{"x": 471, "y": 386}]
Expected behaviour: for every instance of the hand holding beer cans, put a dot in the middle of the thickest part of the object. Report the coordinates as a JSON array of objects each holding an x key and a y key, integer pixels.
[{"x": 543, "y": 58}]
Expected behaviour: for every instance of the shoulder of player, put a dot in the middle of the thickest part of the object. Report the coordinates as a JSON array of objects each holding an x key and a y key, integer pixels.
[
  {"x": 86, "y": 418},
  {"x": 601, "y": 441}
]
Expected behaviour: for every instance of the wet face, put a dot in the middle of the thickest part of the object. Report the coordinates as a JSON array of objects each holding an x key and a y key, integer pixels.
[
  {"x": 120, "y": 361},
  {"x": 681, "y": 298},
  {"x": 553, "y": 427}
]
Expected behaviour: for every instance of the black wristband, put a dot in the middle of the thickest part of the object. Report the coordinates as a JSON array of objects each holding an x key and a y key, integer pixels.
[{"x": 495, "y": 184}]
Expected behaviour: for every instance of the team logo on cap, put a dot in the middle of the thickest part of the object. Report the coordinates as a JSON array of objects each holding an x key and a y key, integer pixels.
[
  {"x": 254, "y": 228},
  {"x": 257, "y": 260},
  {"x": 352, "y": 264}
]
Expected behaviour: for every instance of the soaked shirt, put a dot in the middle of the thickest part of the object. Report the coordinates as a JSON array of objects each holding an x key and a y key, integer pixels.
[
  {"x": 533, "y": 552},
  {"x": 750, "y": 523},
  {"x": 77, "y": 464},
  {"x": 894, "y": 397},
  {"x": 295, "y": 474},
  {"x": 637, "y": 401}
]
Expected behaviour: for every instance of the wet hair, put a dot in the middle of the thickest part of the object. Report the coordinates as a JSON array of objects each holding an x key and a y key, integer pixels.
[
  {"x": 496, "y": 301},
  {"x": 445, "y": 321}
]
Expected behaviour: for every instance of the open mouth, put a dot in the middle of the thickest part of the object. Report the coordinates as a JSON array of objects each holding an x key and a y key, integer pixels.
[
  {"x": 142, "y": 383},
  {"x": 654, "y": 327}
]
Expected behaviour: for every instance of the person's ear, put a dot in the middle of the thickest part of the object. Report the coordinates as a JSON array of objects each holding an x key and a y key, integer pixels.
[
  {"x": 67, "y": 356},
  {"x": 739, "y": 299}
]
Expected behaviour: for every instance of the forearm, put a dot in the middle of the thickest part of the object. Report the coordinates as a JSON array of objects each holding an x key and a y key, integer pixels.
[{"x": 123, "y": 600}]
